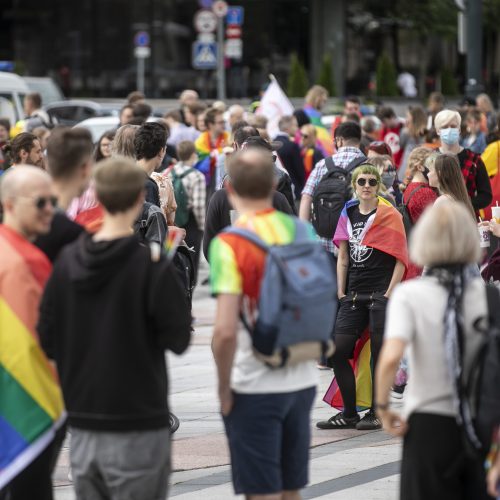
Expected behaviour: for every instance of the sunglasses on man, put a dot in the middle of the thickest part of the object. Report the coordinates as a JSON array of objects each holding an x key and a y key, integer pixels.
[
  {"x": 42, "y": 201},
  {"x": 371, "y": 182}
]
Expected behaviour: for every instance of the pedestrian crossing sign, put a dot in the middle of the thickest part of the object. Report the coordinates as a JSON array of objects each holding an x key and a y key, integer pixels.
[{"x": 204, "y": 55}]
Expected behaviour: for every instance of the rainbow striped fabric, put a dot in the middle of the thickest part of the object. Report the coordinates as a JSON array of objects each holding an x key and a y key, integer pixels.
[
  {"x": 383, "y": 231},
  {"x": 31, "y": 403},
  {"x": 323, "y": 139},
  {"x": 204, "y": 148}
]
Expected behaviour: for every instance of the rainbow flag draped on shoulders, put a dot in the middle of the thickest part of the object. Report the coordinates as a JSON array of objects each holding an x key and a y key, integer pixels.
[
  {"x": 31, "y": 403},
  {"x": 383, "y": 231}
]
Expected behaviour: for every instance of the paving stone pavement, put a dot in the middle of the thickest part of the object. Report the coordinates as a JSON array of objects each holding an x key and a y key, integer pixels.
[{"x": 345, "y": 464}]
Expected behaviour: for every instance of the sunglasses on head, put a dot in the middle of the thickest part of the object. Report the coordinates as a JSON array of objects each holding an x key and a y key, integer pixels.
[
  {"x": 41, "y": 202},
  {"x": 371, "y": 182}
]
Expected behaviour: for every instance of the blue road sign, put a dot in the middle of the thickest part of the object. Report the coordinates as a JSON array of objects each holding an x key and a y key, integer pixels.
[
  {"x": 204, "y": 55},
  {"x": 7, "y": 66},
  {"x": 235, "y": 15},
  {"x": 141, "y": 39}
]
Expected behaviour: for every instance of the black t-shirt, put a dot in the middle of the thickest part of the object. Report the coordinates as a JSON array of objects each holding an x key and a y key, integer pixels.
[
  {"x": 152, "y": 191},
  {"x": 370, "y": 270},
  {"x": 62, "y": 232}
]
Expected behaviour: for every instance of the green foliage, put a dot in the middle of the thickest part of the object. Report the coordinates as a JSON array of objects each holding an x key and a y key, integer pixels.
[
  {"x": 298, "y": 82},
  {"x": 386, "y": 77},
  {"x": 325, "y": 77},
  {"x": 449, "y": 84}
]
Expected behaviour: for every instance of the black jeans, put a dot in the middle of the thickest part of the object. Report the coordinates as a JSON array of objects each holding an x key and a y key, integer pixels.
[
  {"x": 194, "y": 237},
  {"x": 357, "y": 312},
  {"x": 435, "y": 465}
]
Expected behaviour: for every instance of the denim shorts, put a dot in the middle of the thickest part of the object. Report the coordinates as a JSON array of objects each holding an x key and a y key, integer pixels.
[{"x": 269, "y": 437}]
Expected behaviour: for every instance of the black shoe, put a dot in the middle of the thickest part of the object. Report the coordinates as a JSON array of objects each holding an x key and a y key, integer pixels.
[
  {"x": 338, "y": 422},
  {"x": 369, "y": 422}
]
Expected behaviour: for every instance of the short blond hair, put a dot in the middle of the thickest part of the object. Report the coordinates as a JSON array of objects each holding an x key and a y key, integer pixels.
[
  {"x": 445, "y": 234},
  {"x": 445, "y": 118},
  {"x": 314, "y": 94}
]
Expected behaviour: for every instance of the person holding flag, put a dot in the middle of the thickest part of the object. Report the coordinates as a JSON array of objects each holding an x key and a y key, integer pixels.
[
  {"x": 31, "y": 406},
  {"x": 372, "y": 260}
]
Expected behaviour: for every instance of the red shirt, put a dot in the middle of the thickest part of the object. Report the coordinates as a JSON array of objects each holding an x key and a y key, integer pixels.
[{"x": 419, "y": 201}]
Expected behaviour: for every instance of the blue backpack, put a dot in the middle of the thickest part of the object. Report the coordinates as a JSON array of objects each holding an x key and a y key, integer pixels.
[{"x": 297, "y": 304}]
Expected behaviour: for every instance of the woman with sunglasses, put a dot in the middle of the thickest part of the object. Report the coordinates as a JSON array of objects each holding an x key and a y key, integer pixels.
[
  {"x": 371, "y": 262},
  {"x": 310, "y": 153}
]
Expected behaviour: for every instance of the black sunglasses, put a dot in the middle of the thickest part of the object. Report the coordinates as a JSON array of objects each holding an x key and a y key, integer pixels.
[
  {"x": 371, "y": 182},
  {"x": 42, "y": 201}
]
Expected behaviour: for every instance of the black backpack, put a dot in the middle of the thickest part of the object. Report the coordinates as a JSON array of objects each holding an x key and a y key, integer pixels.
[
  {"x": 481, "y": 381},
  {"x": 403, "y": 210},
  {"x": 331, "y": 194}
]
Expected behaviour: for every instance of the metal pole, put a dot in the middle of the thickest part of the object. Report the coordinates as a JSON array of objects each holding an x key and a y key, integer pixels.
[
  {"x": 221, "y": 71},
  {"x": 140, "y": 74},
  {"x": 474, "y": 85}
]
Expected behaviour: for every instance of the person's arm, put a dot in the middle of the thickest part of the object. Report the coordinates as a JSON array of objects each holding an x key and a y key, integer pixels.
[
  {"x": 214, "y": 219},
  {"x": 494, "y": 227},
  {"x": 169, "y": 311},
  {"x": 387, "y": 366},
  {"x": 397, "y": 276},
  {"x": 224, "y": 346},
  {"x": 342, "y": 267},
  {"x": 483, "y": 188},
  {"x": 305, "y": 207},
  {"x": 199, "y": 200},
  {"x": 45, "y": 326}
]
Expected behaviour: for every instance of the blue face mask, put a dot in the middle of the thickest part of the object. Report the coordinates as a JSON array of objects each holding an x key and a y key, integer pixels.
[{"x": 449, "y": 136}]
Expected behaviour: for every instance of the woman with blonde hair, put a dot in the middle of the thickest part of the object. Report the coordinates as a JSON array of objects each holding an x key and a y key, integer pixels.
[
  {"x": 429, "y": 318},
  {"x": 316, "y": 97},
  {"x": 308, "y": 150},
  {"x": 477, "y": 182},
  {"x": 484, "y": 104},
  {"x": 372, "y": 260}
]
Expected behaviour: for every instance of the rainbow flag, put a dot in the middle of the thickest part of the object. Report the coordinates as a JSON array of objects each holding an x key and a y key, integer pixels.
[
  {"x": 31, "y": 403},
  {"x": 204, "y": 147},
  {"x": 361, "y": 365},
  {"x": 323, "y": 139},
  {"x": 383, "y": 231}
]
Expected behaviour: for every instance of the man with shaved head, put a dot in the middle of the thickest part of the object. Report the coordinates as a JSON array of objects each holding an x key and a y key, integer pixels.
[{"x": 28, "y": 383}]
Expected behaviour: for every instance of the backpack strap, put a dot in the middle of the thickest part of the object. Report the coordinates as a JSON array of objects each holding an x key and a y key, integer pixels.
[
  {"x": 184, "y": 174},
  {"x": 329, "y": 163},
  {"x": 411, "y": 195},
  {"x": 247, "y": 235},
  {"x": 302, "y": 232},
  {"x": 356, "y": 162}
]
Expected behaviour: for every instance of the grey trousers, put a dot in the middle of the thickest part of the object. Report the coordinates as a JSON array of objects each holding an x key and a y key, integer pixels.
[{"x": 120, "y": 465}]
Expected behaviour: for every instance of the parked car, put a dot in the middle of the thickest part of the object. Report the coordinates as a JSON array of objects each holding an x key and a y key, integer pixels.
[
  {"x": 97, "y": 126},
  {"x": 46, "y": 87},
  {"x": 73, "y": 111},
  {"x": 12, "y": 91}
]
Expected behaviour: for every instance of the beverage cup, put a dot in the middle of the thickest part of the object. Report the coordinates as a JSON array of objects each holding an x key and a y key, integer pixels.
[
  {"x": 495, "y": 212},
  {"x": 484, "y": 236}
]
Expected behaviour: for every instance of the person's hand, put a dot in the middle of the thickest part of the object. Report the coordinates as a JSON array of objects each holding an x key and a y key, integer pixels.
[
  {"x": 226, "y": 400},
  {"x": 493, "y": 478},
  {"x": 494, "y": 227},
  {"x": 392, "y": 422},
  {"x": 180, "y": 230},
  {"x": 341, "y": 295}
]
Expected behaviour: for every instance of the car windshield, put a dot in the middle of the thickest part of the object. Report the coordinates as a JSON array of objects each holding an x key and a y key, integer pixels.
[{"x": 49, "y": 91}]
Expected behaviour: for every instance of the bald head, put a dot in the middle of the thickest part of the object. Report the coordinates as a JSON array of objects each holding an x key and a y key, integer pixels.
[
  {"x": 188, "y": 97},
  {"x": 21, "y": 180},
  {"x": 28, "y": 200}
]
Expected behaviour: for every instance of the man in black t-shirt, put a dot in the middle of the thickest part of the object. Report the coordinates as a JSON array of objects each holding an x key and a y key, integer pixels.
[{"x": 70, "y": 161}]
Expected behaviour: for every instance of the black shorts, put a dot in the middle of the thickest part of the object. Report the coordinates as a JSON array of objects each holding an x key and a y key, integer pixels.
[{"x": 357, "y": 311}]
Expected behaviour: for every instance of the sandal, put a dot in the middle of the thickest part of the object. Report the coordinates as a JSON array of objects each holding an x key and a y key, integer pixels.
[{"x": 339, "y": 421}]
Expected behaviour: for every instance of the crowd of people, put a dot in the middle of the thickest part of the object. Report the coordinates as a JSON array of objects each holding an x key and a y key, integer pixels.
[{"x": 101, "y": 246}]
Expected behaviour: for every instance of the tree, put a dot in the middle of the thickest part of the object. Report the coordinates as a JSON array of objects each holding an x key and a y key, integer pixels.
[
  {"x": 325, "y": 77},
  {"x": 298, "y": 83},
  {"x": 386, "y": 77}
]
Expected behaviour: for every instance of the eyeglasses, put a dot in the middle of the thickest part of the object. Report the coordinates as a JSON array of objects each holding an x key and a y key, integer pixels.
[
  {"x": 41, "y": 201},
  {"x": 371, "y": 182}
]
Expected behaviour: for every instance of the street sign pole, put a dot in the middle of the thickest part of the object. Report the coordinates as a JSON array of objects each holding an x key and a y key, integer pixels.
[
  {"x": 141, "y": 70},
  {"x": 221, "y": 72}
]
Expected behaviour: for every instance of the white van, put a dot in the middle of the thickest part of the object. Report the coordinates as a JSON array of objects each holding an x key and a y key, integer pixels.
[{"x": 12, "y": 91}]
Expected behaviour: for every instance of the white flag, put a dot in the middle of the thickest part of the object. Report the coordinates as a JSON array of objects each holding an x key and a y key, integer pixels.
[{"x": 273, "y": 105}]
